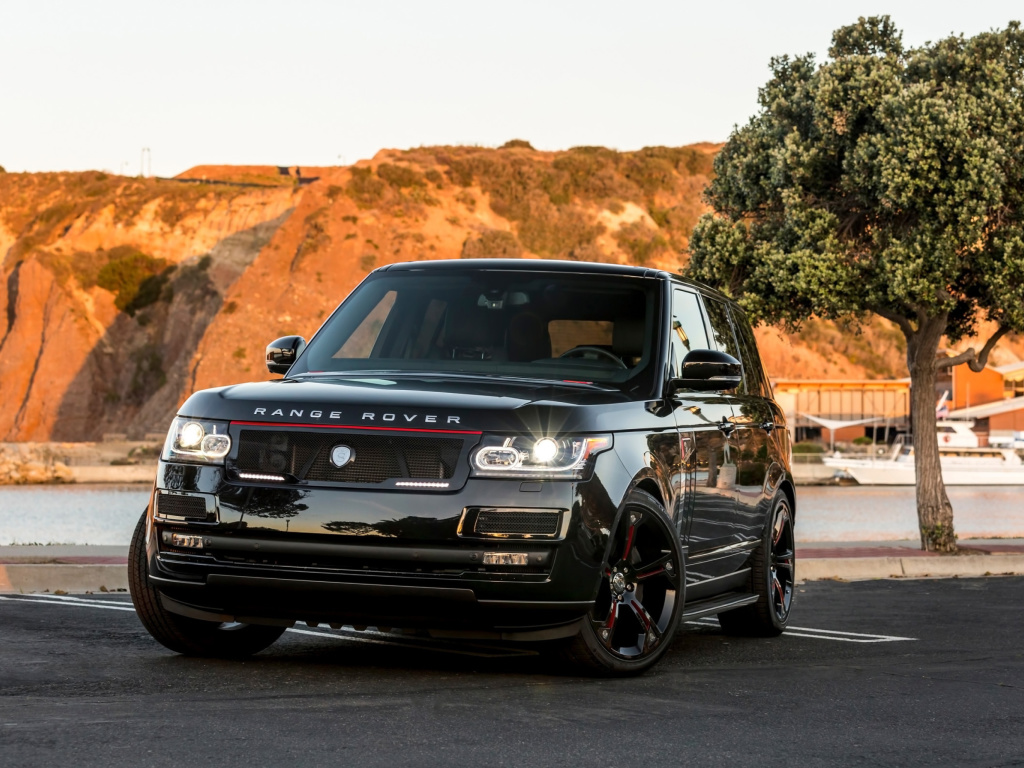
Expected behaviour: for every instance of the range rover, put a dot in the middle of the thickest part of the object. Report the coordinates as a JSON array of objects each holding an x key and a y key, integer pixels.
[{"x": 578, "y": 455}]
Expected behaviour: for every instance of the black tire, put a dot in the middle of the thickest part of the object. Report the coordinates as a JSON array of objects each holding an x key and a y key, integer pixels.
[
  {"x": 644, "y": 574},
  {"x": 772, "y": 579},
  {"x": 179, "y": 633}
]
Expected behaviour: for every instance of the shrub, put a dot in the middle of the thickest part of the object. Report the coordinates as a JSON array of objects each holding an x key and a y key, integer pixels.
[
  {"x": 365, "y": 189},
  {"x": 516, "y": 144},
  {"x": 125, "y": 272},
  {"x": 367, "y": 261},
  {"x": 492, "y": 244},
  {"x": 862, "y": 440},
  {"x": 641, "y": 242},
  {"x": 434, "y": 177},
  {"x": 808, "y": 448},
  {"x": 400, "y": 177}
]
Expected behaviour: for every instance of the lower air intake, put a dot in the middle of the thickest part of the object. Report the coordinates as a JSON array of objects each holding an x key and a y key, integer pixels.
[
  {"x": 172, "y": 505},
  {"x": 517, "y": 523}
]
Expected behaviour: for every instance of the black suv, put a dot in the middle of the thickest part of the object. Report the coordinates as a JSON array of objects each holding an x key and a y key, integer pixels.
[{"x": 580, "y": 454}]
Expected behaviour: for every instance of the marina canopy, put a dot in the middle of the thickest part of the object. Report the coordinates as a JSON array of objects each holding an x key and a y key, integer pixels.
[{"x": 833, "y": 424}]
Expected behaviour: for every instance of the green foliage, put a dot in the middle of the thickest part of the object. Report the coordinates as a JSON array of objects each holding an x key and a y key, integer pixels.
[
  {"x": 886, "y": 180},
  {"x": 364, "y": 188},
  {"x": 400, "y": 176},
  {"x": 862, "y": 440},
  {"x": 641, "y": 242},
  {"x": 126, "y": 272},
  {"x": 492, "y": 244},
  {"x": 807, "y": 448}
]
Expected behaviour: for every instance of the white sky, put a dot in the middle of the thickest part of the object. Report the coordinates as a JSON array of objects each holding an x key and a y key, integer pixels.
[{"x": 88, "y": 84}]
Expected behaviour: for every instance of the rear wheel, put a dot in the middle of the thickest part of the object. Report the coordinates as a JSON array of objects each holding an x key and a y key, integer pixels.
[
  {"x": 182, "y": 634},
  {"x": 772, "y": 579},
  {"x": 640, "y": 600}
]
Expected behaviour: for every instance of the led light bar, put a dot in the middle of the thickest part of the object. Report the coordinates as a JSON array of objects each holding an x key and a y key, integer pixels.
[
  {"x": 506, "y": 558},
  {"x": 419, "y": 484},
  {"x": 261, "y": 477}
]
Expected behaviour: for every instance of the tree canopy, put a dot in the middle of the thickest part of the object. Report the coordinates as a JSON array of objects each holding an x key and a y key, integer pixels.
[{"x": 886, "y": 180}]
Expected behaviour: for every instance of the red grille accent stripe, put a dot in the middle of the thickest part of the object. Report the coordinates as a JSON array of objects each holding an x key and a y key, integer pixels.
[{"x": 358, "y": 426}]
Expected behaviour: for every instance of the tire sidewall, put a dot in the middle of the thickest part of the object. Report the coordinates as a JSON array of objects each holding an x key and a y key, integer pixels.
[
  {"x": 616, "y": 664},
  {"x": 764, "y": 588}
]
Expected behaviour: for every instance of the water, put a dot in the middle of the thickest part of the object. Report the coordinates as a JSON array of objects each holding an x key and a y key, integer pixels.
[
  {"x": 70, "y": 514},
  {"x": 104, "y": 514}
]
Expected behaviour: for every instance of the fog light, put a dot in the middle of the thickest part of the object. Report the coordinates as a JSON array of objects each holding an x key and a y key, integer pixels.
[
  {"x": 506, "y": 558},
  {"x": 183, "y": 540}
]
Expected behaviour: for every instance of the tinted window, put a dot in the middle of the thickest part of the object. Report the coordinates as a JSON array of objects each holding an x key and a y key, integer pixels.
[
  {"x": 755, "y": 382},
  {"x": 577, "y": 327},
  {"x": 688, "y": 331},
  {"x": 721, "y": 328}
]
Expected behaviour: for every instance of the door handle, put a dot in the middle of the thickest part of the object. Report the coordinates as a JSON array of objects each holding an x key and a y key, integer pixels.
[
  {"x": 768, "y": 426},
  {"x": 726, "y": 427}
]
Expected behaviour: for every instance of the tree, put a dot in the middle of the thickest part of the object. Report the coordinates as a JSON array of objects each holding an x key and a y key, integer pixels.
[{"x": 886, "y": 181}]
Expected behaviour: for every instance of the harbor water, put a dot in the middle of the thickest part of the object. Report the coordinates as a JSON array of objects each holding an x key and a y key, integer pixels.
[{"x": 106, "y": 514}]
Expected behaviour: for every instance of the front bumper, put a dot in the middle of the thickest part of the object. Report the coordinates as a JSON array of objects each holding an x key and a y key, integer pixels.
[{"x": 369, "y": 557}]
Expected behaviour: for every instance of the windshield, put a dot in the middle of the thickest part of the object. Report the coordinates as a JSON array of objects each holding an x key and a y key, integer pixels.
[{"x": 565, "y": 327}]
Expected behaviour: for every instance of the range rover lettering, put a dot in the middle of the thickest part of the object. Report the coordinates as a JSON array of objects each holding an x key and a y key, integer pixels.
[{"x": 577, "y": 455}]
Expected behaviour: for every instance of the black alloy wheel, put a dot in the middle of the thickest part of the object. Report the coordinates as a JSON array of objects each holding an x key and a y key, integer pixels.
[
  {"x": 772, "y": 579},
  {"x": 640, "y": 598},
  {"x": 782, "y": 563}
]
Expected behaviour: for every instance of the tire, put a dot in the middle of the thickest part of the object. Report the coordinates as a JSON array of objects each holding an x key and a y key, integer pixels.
[
  {"x": 772, "y": 579},
  {"x": 179, "y": 633},
  {"x": 640, "y": 600}
]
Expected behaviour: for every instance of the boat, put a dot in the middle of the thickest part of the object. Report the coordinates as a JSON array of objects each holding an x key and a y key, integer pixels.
[{"x": 960, "y": 466}]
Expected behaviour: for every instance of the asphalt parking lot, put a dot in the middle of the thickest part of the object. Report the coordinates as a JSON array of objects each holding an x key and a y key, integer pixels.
[{"x": 927, "y": 672}]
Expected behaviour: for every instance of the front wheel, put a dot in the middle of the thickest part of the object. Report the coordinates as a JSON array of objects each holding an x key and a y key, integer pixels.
[
  {"x": 772, "y": 579},
  {"x": 180, "y": 633},
  {"x": 640, "y": 599}
]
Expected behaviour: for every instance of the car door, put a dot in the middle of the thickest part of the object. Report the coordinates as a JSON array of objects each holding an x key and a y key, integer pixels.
[
  {"x": 708, "y": 500},
  {"x": 730, "y": 532},
  {"x": 755, "y": 422}
]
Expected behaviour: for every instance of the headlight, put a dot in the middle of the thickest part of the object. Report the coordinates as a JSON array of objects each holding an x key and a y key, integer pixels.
[
  {"x": 197, "y": 440},
  {"x": 544, "y": 457}
]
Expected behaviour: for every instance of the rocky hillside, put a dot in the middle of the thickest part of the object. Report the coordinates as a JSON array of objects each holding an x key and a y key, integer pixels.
[{"x": 120, "y": 296}]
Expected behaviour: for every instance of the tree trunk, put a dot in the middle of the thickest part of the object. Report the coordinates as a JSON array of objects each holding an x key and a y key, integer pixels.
[{"x": 934, "y": 512}]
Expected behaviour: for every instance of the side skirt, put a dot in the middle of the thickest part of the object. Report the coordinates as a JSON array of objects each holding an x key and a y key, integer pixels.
[{"x": 716, "y": 605}]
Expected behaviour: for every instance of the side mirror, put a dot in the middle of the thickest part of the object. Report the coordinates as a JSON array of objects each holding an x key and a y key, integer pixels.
[
  {"x": 281, "y": 353},
  {"x": 708, "y": 370}
]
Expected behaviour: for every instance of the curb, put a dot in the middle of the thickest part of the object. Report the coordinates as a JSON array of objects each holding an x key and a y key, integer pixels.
[
  {"x": 66, "y": 578},
  {"x": 861, "y": 568},
  {"x": 26, "y": 577}
]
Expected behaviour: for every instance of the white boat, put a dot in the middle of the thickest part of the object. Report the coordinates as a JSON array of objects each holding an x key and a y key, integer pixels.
[{"x": 960, "y": 466}]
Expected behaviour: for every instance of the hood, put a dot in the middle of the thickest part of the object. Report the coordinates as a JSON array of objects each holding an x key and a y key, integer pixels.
[{"x": 471, "y": 405}]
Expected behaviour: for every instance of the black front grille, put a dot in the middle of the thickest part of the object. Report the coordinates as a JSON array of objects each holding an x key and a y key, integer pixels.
[
  {"x": 376, "y": 458},
  {"x": 181, "y": 506},
  {"x": 517, "y": 523}
]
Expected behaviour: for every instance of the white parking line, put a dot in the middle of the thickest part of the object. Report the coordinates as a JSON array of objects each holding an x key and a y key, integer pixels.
[
  {"x": 822, "y": 634},
  {"x": 378, "y": 638},
  {"x": 73, "y": 603},
  {"x": 442, "y": 646}
]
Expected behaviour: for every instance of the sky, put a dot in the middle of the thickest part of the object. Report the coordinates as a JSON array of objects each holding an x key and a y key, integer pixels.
[{"x": 88, "y": 85}]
